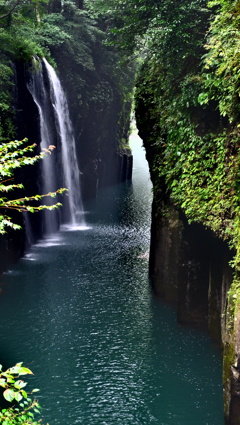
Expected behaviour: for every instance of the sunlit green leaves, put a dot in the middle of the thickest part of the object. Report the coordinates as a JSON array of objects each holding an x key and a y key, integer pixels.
[
  {"x": 9, "y": 395},
  {"x": 16, "y": 154},
  {"x": 222, "y": 60},
  {"x": 23, "y": 407}
]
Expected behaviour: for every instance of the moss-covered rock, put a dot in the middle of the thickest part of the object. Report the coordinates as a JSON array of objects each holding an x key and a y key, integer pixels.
[{"x": 193, "y": 163}]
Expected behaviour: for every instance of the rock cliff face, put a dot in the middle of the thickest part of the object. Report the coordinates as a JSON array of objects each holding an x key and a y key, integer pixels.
[
  {"x": 101, "y": 132},
  {"x": 99, "y": 100},
  {"x": 189, "y": 265}
]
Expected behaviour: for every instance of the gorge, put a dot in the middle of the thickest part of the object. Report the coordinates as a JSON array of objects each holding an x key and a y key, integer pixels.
[
  {"x": 83, "y": 317},
  {"x": 79, "y": 99}
]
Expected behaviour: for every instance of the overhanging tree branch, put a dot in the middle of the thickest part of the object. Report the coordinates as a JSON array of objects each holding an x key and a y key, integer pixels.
[
  {"x": 12, "y": 156},
  {"x": 5, "y": 15}
]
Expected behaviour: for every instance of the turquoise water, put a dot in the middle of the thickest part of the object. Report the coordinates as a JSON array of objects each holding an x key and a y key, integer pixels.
[{"x": 79, "y": 311}]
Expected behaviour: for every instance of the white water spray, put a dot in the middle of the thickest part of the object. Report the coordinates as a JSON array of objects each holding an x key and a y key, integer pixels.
[
  {"x": 68, "y": 148},
  {"x": 55, "y": 119},
  {"x": 40, "y": 96}
]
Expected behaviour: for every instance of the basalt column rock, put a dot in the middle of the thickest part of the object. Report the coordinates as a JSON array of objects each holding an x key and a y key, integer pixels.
[
  {"x": 190, "y": 267},
  {"x": 166, "y": 230}
]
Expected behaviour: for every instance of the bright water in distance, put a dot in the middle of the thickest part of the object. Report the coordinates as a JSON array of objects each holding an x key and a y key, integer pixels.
[{"x": 79, "y": 311}]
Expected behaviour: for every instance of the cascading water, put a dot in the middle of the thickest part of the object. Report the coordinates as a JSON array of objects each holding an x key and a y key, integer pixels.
[
  {"x": 37, "y": 88},
  {"x": 68, "y": 149},
  {"x": 56, "y": 129}
]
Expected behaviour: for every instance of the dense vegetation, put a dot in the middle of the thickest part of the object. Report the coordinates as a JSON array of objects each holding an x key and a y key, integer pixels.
[
  {"x": 189, "y": 81},
  {"x": 187, "y": 109},
  {"x": 69, "y": 34},
  {"x": 26, "y": 406},
  {"x": 187, "y": 96},
  {"x": 189, "y": 86},
  {"x": 187, "y": 103}
]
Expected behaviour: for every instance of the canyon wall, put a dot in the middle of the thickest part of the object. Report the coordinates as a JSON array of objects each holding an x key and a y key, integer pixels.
[
  {"x": 101, "y": 129},
  {"x": 191, "y": 262}
]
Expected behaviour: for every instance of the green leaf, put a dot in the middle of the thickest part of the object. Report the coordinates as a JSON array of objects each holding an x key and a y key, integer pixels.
[
  {"x": 9, "y": 395},
  {"x": 203, "y": 98},
  {"x": 18, "y": 396},
  {"x": 24, "y": 394},
  {"x": 3, "y": 382},
  {"x": 21, "y": 370},
  {"x": 20, "y": 384}
]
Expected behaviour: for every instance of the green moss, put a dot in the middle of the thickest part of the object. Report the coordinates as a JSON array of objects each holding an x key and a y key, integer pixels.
[
  {"x": 230, "y": 356},
  {"x": 228, "y": 360}
]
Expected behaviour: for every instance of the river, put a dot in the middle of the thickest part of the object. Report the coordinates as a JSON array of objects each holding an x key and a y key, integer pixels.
[{"x": 79, "y": 311}]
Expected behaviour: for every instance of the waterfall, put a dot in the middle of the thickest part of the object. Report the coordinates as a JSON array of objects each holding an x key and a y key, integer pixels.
[
  {"x": 38, "y": 90},
  {"x": 56, "y": 129},
  {"x": 29, "y": 241},
  {"x": 68, "y": 148}
]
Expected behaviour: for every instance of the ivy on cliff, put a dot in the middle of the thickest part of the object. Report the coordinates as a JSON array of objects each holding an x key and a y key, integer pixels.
[
  {"x": 196, "y": 110},
  {"x": 191, "y": 76},
  {"x": 190, "y": 123},
  {"x": 221, "y": 62}
]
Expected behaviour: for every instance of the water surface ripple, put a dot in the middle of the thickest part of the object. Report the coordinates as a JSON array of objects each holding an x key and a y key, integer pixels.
[{"x": 79, "y": 311}]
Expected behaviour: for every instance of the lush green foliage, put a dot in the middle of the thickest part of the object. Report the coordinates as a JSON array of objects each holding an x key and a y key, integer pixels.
[
  {"x": 13, "y": 155},
  {"x": 71, "y": 35},
  {"x": 188, "y": 115},
  {"x": 195, "y": 111},
  {"x": 23, "y": 406},
  {"x": 221, "y": 62},
  {"x": 6, "y": 113},
  {"x": 188, "y": 98}
]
